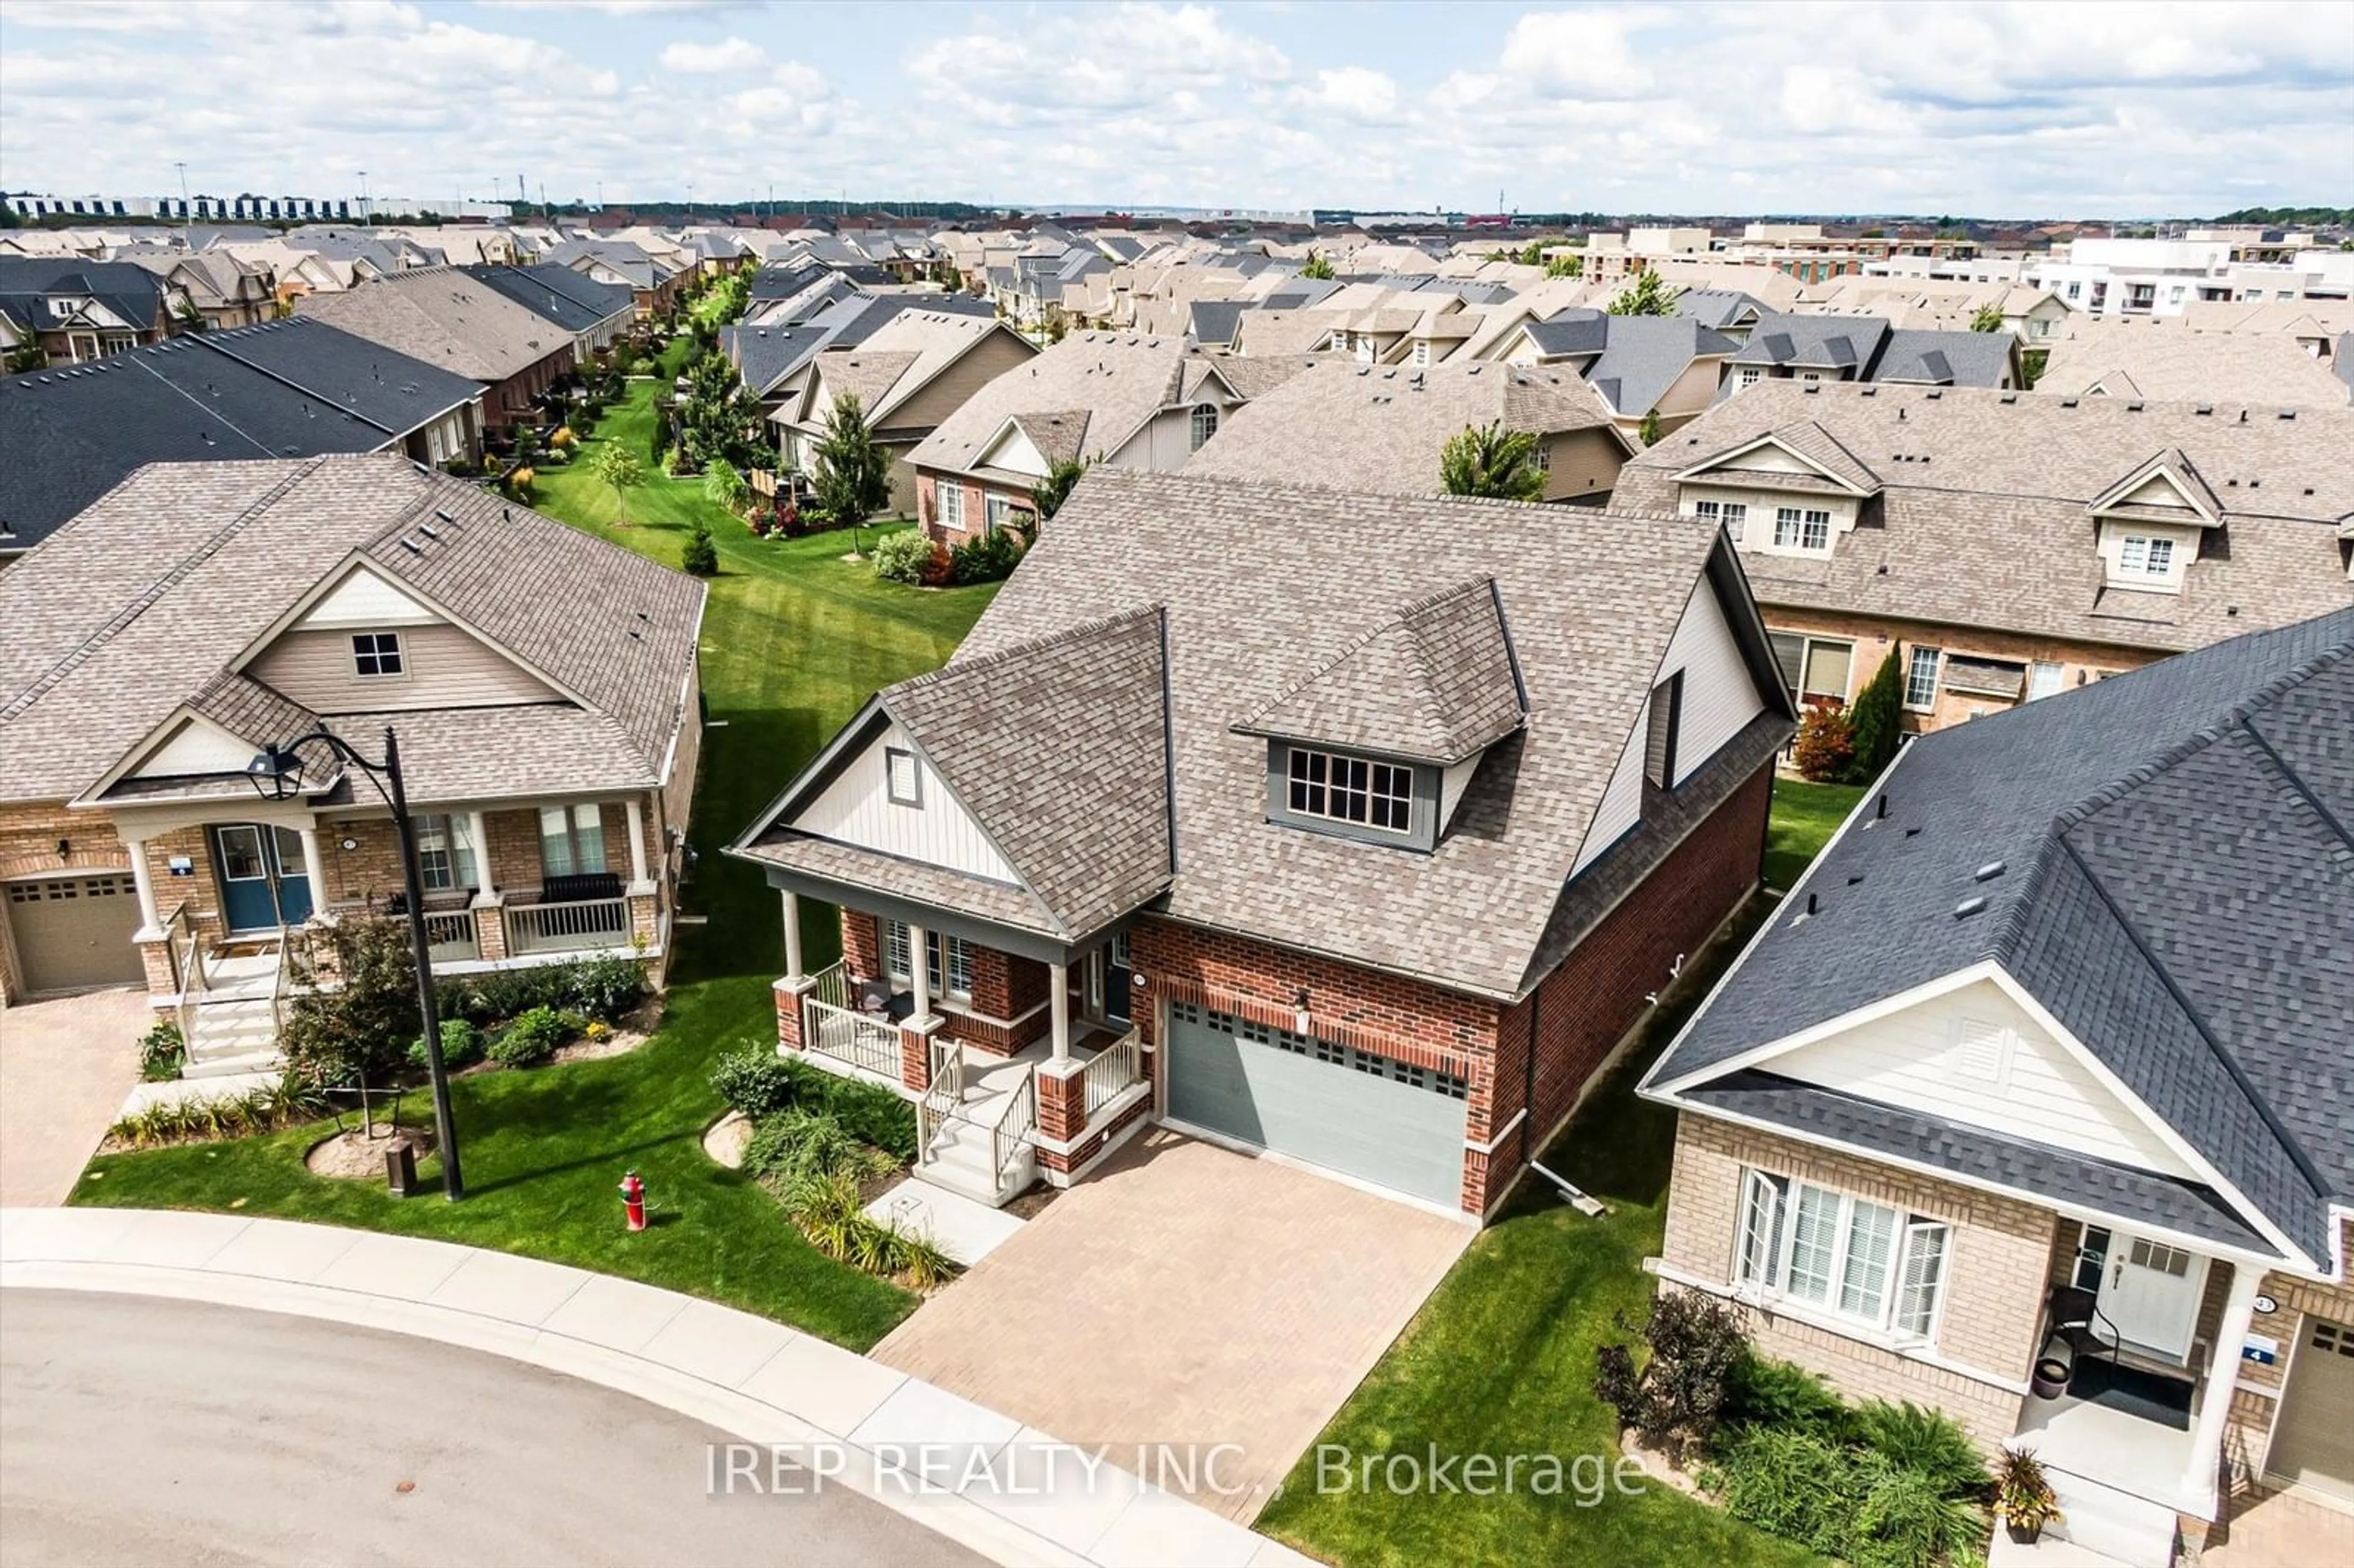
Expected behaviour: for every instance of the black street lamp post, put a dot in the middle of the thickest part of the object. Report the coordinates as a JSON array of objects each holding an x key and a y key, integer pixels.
[{"x": 277, "y": 774}]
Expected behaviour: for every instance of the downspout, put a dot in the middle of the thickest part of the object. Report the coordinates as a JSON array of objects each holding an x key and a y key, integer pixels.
[{"x": 1529, "y": 1075}]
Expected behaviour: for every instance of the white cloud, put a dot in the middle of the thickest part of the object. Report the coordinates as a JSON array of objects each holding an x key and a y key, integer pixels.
[
  {"x": 1356, "y": 91},
  {"x": 731, "y": 56}
]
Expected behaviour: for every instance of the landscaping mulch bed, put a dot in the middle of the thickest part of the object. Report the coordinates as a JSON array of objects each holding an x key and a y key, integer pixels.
[{"x": 353, "y": 1156}]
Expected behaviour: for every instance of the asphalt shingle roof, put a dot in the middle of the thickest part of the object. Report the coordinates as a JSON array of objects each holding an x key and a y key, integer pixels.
[
  {"x": 572, "y": 300},
  {"x": 2177, "y": 890}
]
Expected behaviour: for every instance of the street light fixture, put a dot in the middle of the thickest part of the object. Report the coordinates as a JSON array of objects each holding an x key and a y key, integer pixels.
[{"x": 276, "y": 774}]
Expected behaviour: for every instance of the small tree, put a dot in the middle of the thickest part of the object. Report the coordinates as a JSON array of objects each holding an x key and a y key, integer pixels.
[
  {"x": 1988, "y": 319},
  {"x": 1319, "y": 266},
  {"x": 1876, "y": 722},
  {"x": 1646, "y": 296},
  {"x": 355, "y": 1034},
  {"x": 618, "y": 467},
  {"x": 1046, "y": 496},
  {"x": 27, "y": 356},
  {"x": 1825, "y": 745},
  {"x": 1566, "y": 267},
  {"x": 850, "y": 474},
  {"x": 1648, "y": 432},
  {"x": 721, "y": 485},
  {"x": 658, "y": 443},
  {"x": 1492, "y": 461},
  {"x": 1676, "y": 1399},
  {"x": 701, "y": 556}
]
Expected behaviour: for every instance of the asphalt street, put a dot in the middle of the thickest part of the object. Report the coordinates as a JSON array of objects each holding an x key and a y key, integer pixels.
[{"x": 138, "y": 1431}]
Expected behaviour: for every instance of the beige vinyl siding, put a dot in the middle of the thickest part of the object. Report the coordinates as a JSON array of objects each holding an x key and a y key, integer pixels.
[
  {"x": 443, "y": 667},
  {"x": 1719, "y": 694},
  {"x": 1689, "y": 396},
  {"x": 995, "y": 354},
  {"x": 1976, "y": 1056},
  {"x": 1584, "y": 463}
]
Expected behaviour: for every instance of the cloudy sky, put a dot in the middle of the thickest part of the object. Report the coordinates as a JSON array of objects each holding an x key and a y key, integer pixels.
[{"x": 2052, "y": 108}]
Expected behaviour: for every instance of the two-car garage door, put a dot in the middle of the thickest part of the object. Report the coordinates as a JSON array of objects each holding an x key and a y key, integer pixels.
[
  {"x": 1382, "y": 1121},
  {"x": 74, "y": 931}
]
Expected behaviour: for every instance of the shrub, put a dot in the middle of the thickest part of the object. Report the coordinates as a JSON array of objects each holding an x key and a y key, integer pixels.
[
  {"x": 603, "y": 989},
  {"x": 902, "y": 557},
  {"x": 990, "y": 558},
  {"x": 701, "y": 556},
  {"x": 563, "y": 437},
  {"x": 462, "y": 1046},
  {"x": 939, "y": 567},
  {"x": 873, "y": 1115},
  {"x": 160, "y": 1050},
  {"x": 356, "y": 1032},
  {"x": 1792, "y": 1484},
  {"x": 827, "y": 1210},
  {"x": 798, "y": 1143},
  {"x": 1825, "y": 743},
  {"x": 532, "y": 1038},
  {"x": 264, "y": 1109},
  {"x": 755, "y": 1080},
  {"x": 1876, "y": 722},
  {"x": 1676, "y": 1399},
  {"x": 1767, "y": 1393},
  {"x": 519, "y": 484},
  {"x": 1927, "y": 1442}
]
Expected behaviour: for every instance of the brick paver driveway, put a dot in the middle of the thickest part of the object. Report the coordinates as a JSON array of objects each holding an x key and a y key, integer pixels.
[
  {"x": 65, "y": 1066},
  {"x": 1182, "y": 1295}
]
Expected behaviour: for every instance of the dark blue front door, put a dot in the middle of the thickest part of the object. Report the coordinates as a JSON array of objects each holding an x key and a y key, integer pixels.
[{"x": 263, "y": 880}]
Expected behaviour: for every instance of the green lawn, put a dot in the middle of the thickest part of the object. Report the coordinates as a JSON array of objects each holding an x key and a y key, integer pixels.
[
  {"x": 794, "y": 639},
  {"x": 1499, "y": 1361},
  {"x": 1805, "y": 817}
]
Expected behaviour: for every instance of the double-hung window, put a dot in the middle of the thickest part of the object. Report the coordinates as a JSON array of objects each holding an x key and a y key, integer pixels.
[
  {"x": 1921, "y": 679},
  {"x": 446, "y": 858},
  {"x": 2145, "y": 556},
  {"x": 376, "y": 654},
  {"x": 1731, "y": 514},
  {"x": 1802, "y": 528},
  {"x": 949, "y": 959},
  {"x": 1849, "y": 1256},
  {"x": 1204, "y": 424},
  {"x": 998, "y": 511},
  {"x": 1350, "y": 789},
  {"x": 571, "y": 840},
  {"x": 949, "y": 503}
]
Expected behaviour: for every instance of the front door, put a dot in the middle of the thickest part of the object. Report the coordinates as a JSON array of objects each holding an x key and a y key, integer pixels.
[
  {"x": 264, "y": 880},
  {"x": 1115, "y": 979},
  {"x": 2151, "y": 1291}
]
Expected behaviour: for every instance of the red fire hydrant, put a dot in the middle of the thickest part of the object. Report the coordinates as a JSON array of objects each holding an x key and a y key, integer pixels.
[{"x": 633, "y": 1200}]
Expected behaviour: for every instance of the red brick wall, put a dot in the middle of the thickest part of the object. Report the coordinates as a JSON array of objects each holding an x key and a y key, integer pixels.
[
  {"x": 1585, "y": 1007},
  {"x": 862, "y": 944}
]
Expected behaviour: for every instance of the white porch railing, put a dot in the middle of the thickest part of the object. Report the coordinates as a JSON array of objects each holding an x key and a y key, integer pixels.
[
  {"x": 1112, "y": 1070},
  {"x": 1015, "y": 1129},
  {"x": 567, "y": 928},
  {"x": 832, "y": 1027},
  {"x": 452, "y": 936}
]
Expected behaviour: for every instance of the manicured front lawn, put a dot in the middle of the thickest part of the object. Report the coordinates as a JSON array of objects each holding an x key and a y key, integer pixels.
[
  {"x": 1499, "y": 1361},
  {"x": 1805, "y": 817},
  {"x": 794, "y": 639}
]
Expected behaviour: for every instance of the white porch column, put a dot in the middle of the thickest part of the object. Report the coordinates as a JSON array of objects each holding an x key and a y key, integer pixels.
[
  {"x": 638, "y": 883},
  {"x": 792, "y": 903},
  {"x": 2222, "y": 1374},
  {"x": 479, "y": 830},
  {"x": 141, "y": 878},
  {"x": 1058, "y": 1000},
  {"x": 919, "y": 973},
  {"x": 313, "y": 866}
]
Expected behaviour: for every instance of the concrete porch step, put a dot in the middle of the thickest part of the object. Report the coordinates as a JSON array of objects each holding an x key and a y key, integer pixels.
[
  {"x": 264, "y": 1061},
  {"x": 2097, "y": 1519}
]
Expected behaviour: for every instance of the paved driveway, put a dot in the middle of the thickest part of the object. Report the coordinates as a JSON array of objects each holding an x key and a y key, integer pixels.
[
  {"x": 65, "y": 1066},
  {"x": 1186, "y": 1295}
]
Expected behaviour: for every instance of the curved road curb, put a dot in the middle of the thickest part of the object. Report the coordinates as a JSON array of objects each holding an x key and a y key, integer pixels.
[{"x": 1000, "y": 1495}]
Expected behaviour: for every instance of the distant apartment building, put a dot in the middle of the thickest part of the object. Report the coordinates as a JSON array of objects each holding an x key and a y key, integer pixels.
[
  {"x": 2165, "y": 277},
  {"x": 249, "y": 208}
]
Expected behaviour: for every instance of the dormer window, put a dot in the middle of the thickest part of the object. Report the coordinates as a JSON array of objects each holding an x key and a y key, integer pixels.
[
  {"x": 376, "y": 654},
  {"x": 1802, "y": 528},
  {"x": 1355, "y": 790},
  {"x": 2144, "y": 556},
  {"x": 1204, "y": 424}
]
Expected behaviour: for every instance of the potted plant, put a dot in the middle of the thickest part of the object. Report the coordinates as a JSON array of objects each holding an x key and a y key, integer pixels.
[{"x": 2022, "y": 1496}]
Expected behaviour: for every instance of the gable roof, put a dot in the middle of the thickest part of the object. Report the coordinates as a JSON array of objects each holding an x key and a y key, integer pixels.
[
  {"x": 1263, "y": 586},
  {"x": 170, "y": 579},
  {"x": 124, "y": 289},
  {"x": 1120, "y": 379},
  {"x": 572, "y": 300},
  {"x": 291, "y": 389},
  {"x": 444, "y": 317},
  {"x": 2005, "y": 480},
  {"x": 2139, "y": 359},
  {"x": 2160, "y": 860}
]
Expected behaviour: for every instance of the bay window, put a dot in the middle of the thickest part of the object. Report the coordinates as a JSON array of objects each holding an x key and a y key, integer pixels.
[{"x": 1847, "y": 1257}]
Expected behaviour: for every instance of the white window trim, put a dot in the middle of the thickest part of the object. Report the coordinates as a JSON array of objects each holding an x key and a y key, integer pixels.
[
  {"x": 938, "y": 949},
  {"x": 948, "y": 505},
  {"x": 892, "y": 755},
  {"x": 1880, "y": 1327},
  {"x": 1937, "y": 679},
  {"x": 572, "y": 841},
  {"x": 996, "y": 512},
  {"x": 455, "y": 833}
]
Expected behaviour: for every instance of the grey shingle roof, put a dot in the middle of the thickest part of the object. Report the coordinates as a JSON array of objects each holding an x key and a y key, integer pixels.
[
  {"x": 1264, "y": 583},
  {"x": 2177, "y": 891},
  {"x": 573, "y": 301},
  {"x": 146, "y": 598},
  {"x": 1436, "y": 683},
  {"x": 2005, "y": 482}
]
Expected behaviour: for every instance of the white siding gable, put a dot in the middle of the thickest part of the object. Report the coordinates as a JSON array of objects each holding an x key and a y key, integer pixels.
[
  {"x": 1622, "y": 802},
  {"x": 1974, "y": 1056},
  {"x": 2158, "y": 489},
  {"x": 1771, "y": 458},
  {"x": 364, "y": 599},
  {"x": 1014, "y": 451},
  {"x": 197, "y": 746},
  {"x": 1720, "y": 694},
  {"x": 856, "y": 807}
]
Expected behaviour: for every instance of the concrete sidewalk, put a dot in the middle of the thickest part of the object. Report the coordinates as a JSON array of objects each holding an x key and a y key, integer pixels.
[{"x": 1011, "y": 1493}]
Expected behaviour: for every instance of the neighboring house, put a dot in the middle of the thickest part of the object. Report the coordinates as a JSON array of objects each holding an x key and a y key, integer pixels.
[
  {"x": 1354, "y": 427},
  {"x": 769, "y": 353},
  {"x": 1369, "y": 858},
  {"x": 1816, "y": 349},
  {"x": 79, "y": 310},
  {"x": 1730, "y": 312},
  {"x": 2167, "y": 360},
  {"x": 542, "y": 684},
  {"x": 1670, "y": 366},
  {"x": 1129, "y": 400},
  {"x": 908, "y": 373},
  {"x": 2048, "y": 1059},
  {"x": 292, "y": 389},
  {"x": 445, "y": 317},
  {"x": 653, "y": 284},
  {"x": 2008, "y": 545},
  {"x": 594, "y": 313},
  {"x": 221, "y": 291}
]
